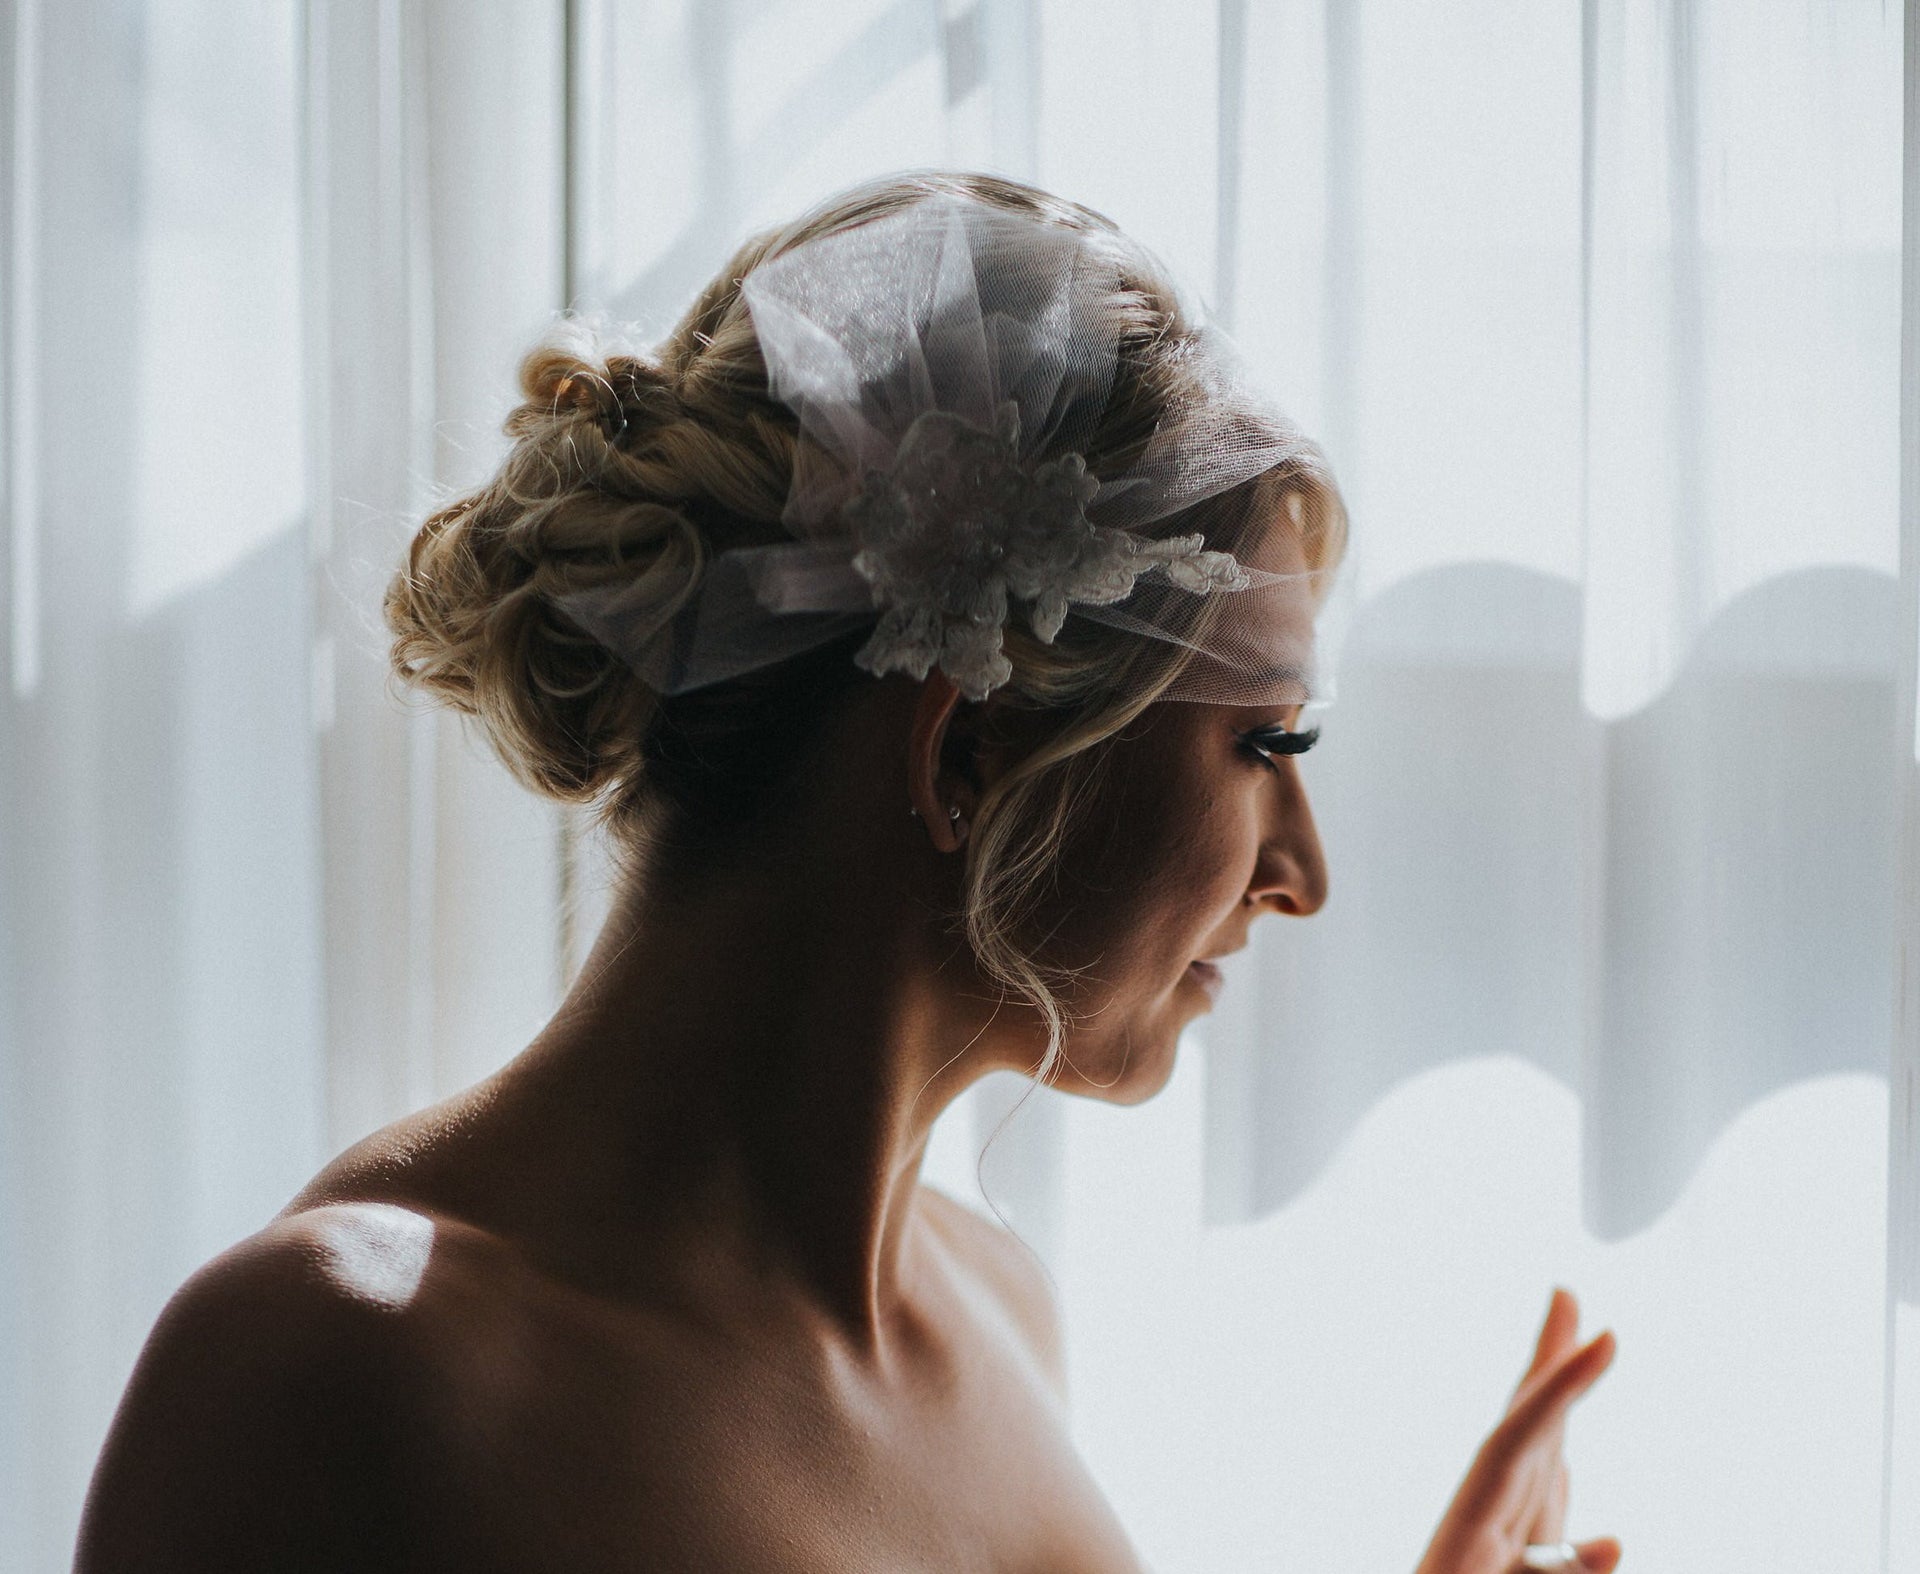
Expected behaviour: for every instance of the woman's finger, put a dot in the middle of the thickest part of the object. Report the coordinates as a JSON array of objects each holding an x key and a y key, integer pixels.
[
  {"x": 1557, "y": 1331},
  {"x": 1601, "y": 1556},
  {"x": 1543, "y": 1405},
  {"x": 1558, "y": 1557},
  {"x": 1552, "y": 1391},
  {"x": 1550, "y": 1518}
]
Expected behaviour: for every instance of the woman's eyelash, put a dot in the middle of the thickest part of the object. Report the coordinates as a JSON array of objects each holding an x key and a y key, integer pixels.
[{"x": 1269, "y": 741}]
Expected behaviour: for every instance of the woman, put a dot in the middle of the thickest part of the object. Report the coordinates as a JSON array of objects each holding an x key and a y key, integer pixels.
[{"x": 930, "y": 620}]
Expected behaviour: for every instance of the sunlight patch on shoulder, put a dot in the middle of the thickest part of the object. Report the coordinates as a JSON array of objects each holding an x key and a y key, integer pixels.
[{"x": 376, "y": 1252}]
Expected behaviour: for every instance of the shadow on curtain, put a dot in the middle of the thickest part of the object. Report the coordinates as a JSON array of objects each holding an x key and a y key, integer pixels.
[{"x": 1675, "y": 914}]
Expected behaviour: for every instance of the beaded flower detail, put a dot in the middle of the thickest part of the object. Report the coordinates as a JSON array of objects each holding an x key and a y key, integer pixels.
[{"x": 957, "y": 531}]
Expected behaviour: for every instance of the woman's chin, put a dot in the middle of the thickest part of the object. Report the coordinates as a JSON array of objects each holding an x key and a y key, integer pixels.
[{"x": 1131, "y": 1076}]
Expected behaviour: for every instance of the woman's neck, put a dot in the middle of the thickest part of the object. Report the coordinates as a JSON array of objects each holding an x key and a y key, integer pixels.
[{"x": 757, "y": 1061}]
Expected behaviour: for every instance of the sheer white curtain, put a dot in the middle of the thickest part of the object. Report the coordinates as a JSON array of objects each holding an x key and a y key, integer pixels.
[
  {"x": 268, "y": 270},
  {"x": 161, "y": 1053},
  {"x": 1597, "y": 308}
]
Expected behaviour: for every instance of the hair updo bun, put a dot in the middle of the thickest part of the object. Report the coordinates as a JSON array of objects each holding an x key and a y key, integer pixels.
[{"x": 613, "y": 478}]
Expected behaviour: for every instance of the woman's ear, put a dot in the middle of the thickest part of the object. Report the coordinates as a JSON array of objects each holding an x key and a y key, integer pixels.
[{"x": 942, "y": 802}]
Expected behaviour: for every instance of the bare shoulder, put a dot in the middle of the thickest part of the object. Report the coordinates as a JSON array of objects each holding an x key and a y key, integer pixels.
[
  {"x": 1007, "y": 1269},
  {"x": 261, "y": 1423}
]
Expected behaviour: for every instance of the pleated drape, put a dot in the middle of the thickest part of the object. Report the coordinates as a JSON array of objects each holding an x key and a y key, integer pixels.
[{"x": 251, "y": 906}]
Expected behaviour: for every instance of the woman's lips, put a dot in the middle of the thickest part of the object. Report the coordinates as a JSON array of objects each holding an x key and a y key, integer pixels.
[{"x": 1207, "y": 976}]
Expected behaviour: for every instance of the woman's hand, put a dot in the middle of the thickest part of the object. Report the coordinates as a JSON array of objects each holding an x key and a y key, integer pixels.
[{"x": 1515, "y": 1493}]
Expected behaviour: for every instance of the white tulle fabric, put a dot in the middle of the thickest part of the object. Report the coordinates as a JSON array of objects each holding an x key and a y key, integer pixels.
[{"x": 948, "y": 365}]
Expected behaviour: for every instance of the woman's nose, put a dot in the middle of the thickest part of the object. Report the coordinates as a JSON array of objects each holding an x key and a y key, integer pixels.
[{"x": 1291, "y": 876}]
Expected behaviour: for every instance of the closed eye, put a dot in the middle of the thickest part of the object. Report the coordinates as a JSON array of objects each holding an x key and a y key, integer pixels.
[{"x": 1267, "y": 742}]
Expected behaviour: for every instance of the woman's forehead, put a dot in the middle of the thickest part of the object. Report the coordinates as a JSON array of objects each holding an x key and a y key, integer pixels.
[{"x": 1264, "y": 635}]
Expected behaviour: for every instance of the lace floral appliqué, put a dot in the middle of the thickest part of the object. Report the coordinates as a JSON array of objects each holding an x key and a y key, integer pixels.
[{"x": 957, "y": 531}]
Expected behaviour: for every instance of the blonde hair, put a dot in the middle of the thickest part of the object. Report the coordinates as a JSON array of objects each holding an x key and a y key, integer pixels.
[{"x": 633, "y": 468}]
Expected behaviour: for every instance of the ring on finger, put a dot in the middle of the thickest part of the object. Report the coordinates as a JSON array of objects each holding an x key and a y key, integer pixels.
[{"x": 1557, "y": 1557}]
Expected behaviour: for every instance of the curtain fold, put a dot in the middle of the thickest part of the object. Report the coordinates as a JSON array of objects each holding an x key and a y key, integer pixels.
[
  {"x": 251, "y": 906},
  {"x": 160, "y": 1050},
  {"x": 1743, "y": 253},
  {"x": 1900, "y": 1481}
]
